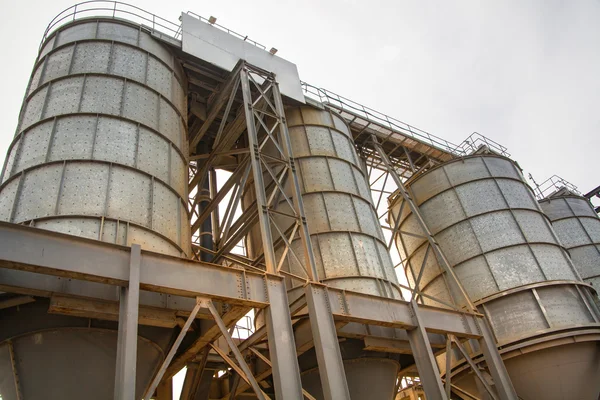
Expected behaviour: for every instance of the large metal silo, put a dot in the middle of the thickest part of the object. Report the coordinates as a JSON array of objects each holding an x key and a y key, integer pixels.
[
  {"x": 347, "y": 240},
  {"x": 578, "y": 228},
  {"x": 100, "y": 152},
  {"x": 510, "y": 262}
]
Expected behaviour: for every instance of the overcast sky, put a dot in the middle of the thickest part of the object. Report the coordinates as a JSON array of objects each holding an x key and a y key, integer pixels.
[{"x": 524, "y": 73}]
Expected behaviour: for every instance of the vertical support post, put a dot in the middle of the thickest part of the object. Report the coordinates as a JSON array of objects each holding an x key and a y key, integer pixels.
[
  {"x": 282, "y": 347},
  {"x": 327, "y": 347},
  {"x": 125, "y": 370},
  {"x": 424, "y": 358},
  {"x": 494, "y": 362}
]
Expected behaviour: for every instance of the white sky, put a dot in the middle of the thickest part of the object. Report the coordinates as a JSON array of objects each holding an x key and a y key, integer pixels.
[{"x": 524, "y": 73}]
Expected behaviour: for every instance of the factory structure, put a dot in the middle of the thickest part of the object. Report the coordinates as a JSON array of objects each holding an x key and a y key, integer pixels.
[{"x": 167, "y": 181}]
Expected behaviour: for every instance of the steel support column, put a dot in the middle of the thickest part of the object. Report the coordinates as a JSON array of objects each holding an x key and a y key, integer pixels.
[
  {"x": 493, "y": 360},
  {"x": 327, "y": 347},
  {"x": 125, "y": 370},
  {"x": 282, "y": 347},
  {"x": 424, "y": 358}
]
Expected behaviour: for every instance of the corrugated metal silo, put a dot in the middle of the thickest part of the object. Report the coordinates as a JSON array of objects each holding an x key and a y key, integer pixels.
[
  {"x": 348, "y": 243},
  {"x": 509, "y": 260},
  {"x": 100, "y": 152},
  {"x": 578, "y": 228}
]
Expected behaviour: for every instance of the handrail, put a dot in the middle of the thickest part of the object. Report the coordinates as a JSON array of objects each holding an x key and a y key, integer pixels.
[
  {"x": 468, "y": 146},
  {"x": 553, "y": 185},
  {"x": 117, "y": 9}
]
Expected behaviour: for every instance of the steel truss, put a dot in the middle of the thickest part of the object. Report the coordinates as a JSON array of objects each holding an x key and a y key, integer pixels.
[{"x": 240, "y": 283}]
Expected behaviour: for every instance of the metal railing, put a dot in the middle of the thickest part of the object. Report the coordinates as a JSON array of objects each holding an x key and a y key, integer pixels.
[
  {"x": 468, "y": 146},
  {"x": 120, "y": 10},
  {"x": 476, "y": 140},
  {"x": 553, "y": 185},
  {"x": 112, "y": 9},
  {"x": 117, "y": 9}
]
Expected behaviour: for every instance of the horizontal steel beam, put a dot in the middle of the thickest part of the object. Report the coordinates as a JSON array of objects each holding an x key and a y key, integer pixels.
[
  {"x": 374, "y": 310},
  {"x": 51, "y": 253}
]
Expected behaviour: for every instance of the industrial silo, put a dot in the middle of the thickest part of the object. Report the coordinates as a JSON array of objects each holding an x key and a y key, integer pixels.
[
  {"x": 347, "y": 240},
  {"x": 578, "y": 228},
  {"x": 510, "y": 262},
  {"x": 99, "y": 152}
]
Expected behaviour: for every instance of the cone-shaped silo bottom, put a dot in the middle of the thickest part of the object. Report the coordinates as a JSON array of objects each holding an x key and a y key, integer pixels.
[
  {"x": 566, "y": 372},
  {"x": 59, "y": 357}
]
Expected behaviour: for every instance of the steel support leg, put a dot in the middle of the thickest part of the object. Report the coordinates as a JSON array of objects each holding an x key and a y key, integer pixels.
[
  {"x": 424, "y": 358},
  {"x": 245, "y": 370},
  {"x": 327, "y": 347},
  {"x": 282, "y": 347},
  {"x": 172, "y": 352},
  {"x": 128, "y": 327},
  {"x": 495, "y": 364}
]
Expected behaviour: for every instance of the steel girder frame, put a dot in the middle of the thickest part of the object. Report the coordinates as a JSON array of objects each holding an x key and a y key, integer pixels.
[
  {"x": 424, "y": 357},
  {"x": 45, "y": 254}
]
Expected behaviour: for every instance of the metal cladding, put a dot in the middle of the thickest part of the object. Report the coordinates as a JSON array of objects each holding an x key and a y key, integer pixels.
[
  {"x": 507, "y": 257},
  {"x": 578, "y": 228},
  {"x": 101, "y": 148},
  {"x": 347, "y": 239},
  {"x": 100, "y": 152}
]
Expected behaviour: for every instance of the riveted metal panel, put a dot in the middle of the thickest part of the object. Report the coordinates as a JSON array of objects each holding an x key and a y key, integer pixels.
[
  {"x": 33, "y": 147},
  {"x": 367, "y": 218},
  {"x": 516, "y": 194},
  {"x": 63, "y": 97},
  {"x": 153, "y": 154},
  {"x": 163, "y": 208},
  {"x": 514, "y": 266},
  {"x": 91, "y": 57},
  {"x": 34, "y": 83},
  {"x": 441, "y": 211},
  {"x": 534, "y": 226},
  {"x": 315, "y": 174},
  {"x": 459, "y": 243},
  {"x": 141, "y": 105},
  {"x": 178, "y": 180},
  {"x": 129, "y": 196},
  {"x": 316, "y": 213},
  {"x": 34, "y": 200},
  {"x": 361, "y": 183},
  {"x": 476, "y": 277},
  {"x": 340, "y": 124},
  {"x": 340, "y": 211},
  {"x": 344, "y": 148},
  {"x": 76, "y": 32},
  {"x": 319, "y": 141},
  {"x": 564, "y": 306},
  {"x": 149, "y": 44},
  {"x": 480, "y": 197},
  {"x": 159, "y": 77},
  {"x": 73, "y": 137},
  {"x": 343, "y": 177},
  {"x": 169, "y": 122},
  {"x": 11, "y": 158},
  {"x": 47, "y": 46},
  {"x": 116, "y": 141},
  {"x": 57, "y": 64},
  {"x": 128, "y": 62},
  {"x": 338, "y": 254},
  {"x": 367, "y": 259},
  {"x": 554, "y": 262},
  {"x": 102, "y": 95},
  {"x": 7, "y": 199},
  {"x": 578, "y": 228},
  {"x": 34, "y": 108},
  {"x": 496, "y": 230},
  {"x": 118, "y": 32},
  {"x": 516, "y": 316},
  {"x": 84, "y": 189},
  {"x": 467, "y": 170}
]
